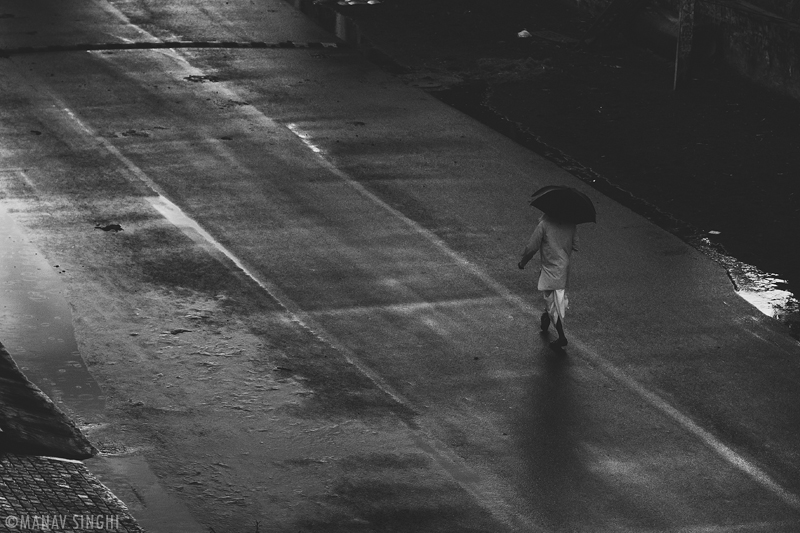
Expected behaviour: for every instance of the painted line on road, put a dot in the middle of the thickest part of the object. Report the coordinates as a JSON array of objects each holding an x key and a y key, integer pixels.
[
  {"x": 725, "y": 452},
  {"x": 728, "y": 454},
  {"x": 160, "y": 45},
  {"x": 409, "y": 307}
]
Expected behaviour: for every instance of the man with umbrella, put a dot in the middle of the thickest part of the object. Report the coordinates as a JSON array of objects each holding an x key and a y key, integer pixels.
[{"x": 555, "y": 238}]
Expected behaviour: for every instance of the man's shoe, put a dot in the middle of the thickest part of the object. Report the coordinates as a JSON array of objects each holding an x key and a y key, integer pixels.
[{"x": 559, "y": 343}]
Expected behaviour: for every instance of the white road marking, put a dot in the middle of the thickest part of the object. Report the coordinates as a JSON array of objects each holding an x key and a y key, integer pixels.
[
  {"x": 21, "y": 174},
  {"x": 410, "y": 307},
  {"x": 304, "y": 137},
  {"x": 733, "y": 458}
]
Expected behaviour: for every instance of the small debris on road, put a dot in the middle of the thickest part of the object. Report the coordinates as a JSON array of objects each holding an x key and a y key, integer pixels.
[
  {"x": 202, "y": 79},
  {"x": 358, "y": 2},
  {"x": 134, "y": 133},
  {"x": 109, "y": 227}
]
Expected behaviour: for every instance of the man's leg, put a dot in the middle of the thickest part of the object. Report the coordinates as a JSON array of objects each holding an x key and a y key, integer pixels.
[{"x": 561, "y": 341}]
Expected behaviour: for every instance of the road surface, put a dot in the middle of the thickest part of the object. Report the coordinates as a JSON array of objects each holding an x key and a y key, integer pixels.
[{"x": 312, "y": 317}]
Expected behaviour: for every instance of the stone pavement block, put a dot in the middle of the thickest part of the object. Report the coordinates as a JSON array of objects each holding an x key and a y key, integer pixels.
[{"x": 48, "y": 494}]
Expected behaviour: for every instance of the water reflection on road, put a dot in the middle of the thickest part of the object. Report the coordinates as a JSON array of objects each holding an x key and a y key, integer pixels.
[{"x": 36, "y": 323}]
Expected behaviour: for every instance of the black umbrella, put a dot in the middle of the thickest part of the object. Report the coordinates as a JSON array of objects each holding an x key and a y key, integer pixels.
[{"x": 564, "y": 204}]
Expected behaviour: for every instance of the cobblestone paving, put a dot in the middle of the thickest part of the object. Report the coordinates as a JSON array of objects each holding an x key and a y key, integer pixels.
[{"x": 48, "y": 494}]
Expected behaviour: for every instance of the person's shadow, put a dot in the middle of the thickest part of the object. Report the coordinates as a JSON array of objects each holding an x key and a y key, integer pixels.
[{"x": 546, "y": 425}]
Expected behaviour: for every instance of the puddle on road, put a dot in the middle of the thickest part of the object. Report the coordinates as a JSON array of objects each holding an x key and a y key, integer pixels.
[
  {"x": 36, "y": 329},
  {"x": 132, "y": 480},
  {"x": 763, "y": 290},
  {"x": 36, "y": 324}
]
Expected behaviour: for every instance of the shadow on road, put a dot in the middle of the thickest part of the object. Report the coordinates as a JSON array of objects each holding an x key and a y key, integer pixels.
[{"x": 548, "y": 417}]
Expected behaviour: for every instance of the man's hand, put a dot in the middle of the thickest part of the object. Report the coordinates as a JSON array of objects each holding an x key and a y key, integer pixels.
[{"x": 521, "y": 266}]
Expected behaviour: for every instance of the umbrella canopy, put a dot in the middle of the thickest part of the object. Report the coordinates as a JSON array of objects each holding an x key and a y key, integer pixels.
[{"x": 564, "y": 204}]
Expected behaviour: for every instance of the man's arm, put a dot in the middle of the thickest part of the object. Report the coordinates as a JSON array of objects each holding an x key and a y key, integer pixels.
[{"x": 534, "y": 243}]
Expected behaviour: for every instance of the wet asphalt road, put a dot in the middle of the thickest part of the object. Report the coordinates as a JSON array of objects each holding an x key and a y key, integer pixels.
[{"x": 388, "y": 226}]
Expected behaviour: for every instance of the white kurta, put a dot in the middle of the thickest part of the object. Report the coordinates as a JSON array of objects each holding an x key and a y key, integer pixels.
[{"x": 555, "y": 242}]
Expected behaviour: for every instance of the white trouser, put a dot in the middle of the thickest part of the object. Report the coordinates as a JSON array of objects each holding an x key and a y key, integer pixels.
[{"x": 556, "y": 304}]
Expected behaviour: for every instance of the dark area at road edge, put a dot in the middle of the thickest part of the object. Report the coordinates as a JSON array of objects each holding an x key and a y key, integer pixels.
[
  {"x": 30, "y": 423},
  {"x": 470, "y": 99},
  {"x": 719, "y": 158}
]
